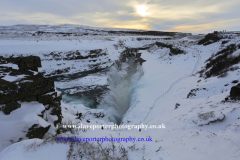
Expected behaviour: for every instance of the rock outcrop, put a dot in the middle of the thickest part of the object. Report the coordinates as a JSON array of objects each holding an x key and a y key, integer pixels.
[
  {"x": 25, "y": 63},
  {"x": 209, "y": 39},
  {"x": 173, "y": 50},
  {"x": 27, "y": 89},
  {"x": 22, "y": 83},
  {"x": 132, "y": 52},
  {"x": 37, "y": 131},
  {"x": 9, "y": 107},
  {"x": 235, "y": 91}
]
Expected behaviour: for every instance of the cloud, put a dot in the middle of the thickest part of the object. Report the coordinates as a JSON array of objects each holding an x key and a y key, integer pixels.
[
  {"x": 230, "y": 24},
  {"x": 176, "y": 15}
]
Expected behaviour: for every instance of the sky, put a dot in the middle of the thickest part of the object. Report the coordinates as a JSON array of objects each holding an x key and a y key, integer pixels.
[{"x": 192, "y": 16}]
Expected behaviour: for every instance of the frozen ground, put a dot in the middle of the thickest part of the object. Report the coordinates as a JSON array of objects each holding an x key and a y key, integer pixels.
[{"x": 200, "y": 126}]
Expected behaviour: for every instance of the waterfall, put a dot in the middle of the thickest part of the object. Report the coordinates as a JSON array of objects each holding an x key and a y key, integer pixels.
[{"x": 121, "y": 79}]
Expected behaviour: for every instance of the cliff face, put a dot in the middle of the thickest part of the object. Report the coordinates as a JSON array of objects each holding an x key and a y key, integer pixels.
[{"x": 20, "y": 86}]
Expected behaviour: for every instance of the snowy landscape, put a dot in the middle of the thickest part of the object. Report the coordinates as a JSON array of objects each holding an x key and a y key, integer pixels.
[{"x": 71, "y": 74}]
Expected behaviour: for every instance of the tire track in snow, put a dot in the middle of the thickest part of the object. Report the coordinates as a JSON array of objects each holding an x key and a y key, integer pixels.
[{"x": 192, "y": 73}]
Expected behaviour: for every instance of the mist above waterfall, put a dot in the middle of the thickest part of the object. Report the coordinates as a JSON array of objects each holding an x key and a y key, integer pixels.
[{"x": 121, "y": 79}]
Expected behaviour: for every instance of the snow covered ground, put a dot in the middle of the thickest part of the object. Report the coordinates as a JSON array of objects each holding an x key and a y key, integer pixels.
[{"x": 200, "y": 124}]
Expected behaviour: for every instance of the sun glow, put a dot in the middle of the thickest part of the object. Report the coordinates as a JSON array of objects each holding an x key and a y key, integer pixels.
[{"x": 142, "y": 10}]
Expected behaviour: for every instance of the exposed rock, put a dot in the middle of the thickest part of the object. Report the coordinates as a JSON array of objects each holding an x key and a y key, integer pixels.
[
  {"x": 131, "y": 52},
  {"x": 235, "y": 91},
  {"x": 25, "y": 63},
  {"x": 30, "y": 62},
  {"x": 193, "y": 92},
  {"x": 224, "y": 42},
  {"x": 65, "y": 70},
  {"x": 37, "y": 131},
  {"x": 235, "y": 81},
  {"x": 209, "y": 39},
  {"x": 221, "y": 62},
  {"x": 206, "y": 116},
  {"x": 58, "y": 112},
  {"x": 138, "y": 55},
  {"x": 74, "y": 55},
  {"x": 124, "y": 58},
  {"x": 95, "y": 92},
  {"x": 173, "y": 51},
  {"x": 9, "y": 92},
  {"x": 25, "y": 91},
  {"x": 9, "y": 107},
  {"x": 177, "y": 105},
  {"x": 30, "y": 87},
  {"x": 210, "y": 117},
  {"x": 76, "y": 75},
  {"x": 140, "y": 60},
  {"x": 47, "y": 98}
]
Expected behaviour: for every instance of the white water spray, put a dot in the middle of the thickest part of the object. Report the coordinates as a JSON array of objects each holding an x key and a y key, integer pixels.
[{"x": 118, "y": 100}]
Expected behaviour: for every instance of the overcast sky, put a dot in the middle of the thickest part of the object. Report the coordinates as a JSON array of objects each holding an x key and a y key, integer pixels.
[{"x": 195, "y": 16}]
